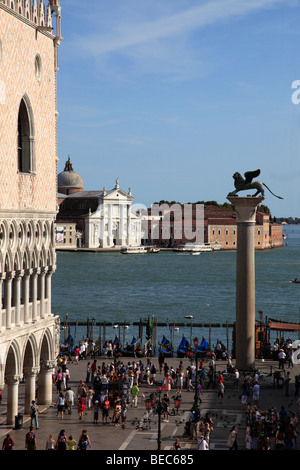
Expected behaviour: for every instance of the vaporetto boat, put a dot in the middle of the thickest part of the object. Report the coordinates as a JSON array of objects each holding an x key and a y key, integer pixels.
[
  {"x": 194, "y": 248},
  {"x": 139, "y": 249},
  {"x": 127, "y": 250}
]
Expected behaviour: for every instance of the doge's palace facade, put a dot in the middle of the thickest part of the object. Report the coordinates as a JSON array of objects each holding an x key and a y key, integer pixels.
[{"x": 29, "y": 332}]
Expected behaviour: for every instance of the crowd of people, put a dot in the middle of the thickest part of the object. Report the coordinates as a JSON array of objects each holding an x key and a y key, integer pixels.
[{"x": 112, "y": 387}]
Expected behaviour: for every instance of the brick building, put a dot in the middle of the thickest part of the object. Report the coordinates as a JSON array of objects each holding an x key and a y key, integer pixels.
[{"x": 170, "y": 228}]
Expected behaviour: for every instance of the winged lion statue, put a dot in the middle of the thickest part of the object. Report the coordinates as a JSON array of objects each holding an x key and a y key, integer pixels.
[{"x": 242, "y": 184}]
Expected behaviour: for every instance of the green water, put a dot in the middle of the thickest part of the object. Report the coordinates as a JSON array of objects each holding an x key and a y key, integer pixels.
[{"x": 118, "y": 288}]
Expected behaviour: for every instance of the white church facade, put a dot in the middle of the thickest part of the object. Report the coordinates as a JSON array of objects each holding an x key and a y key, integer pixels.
[
  {"x": 101, "y": 219},
  {"x": 114, "y": 223}
]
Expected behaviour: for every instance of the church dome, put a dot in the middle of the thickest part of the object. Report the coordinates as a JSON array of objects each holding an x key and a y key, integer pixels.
[{"x": 68, "y": 180}]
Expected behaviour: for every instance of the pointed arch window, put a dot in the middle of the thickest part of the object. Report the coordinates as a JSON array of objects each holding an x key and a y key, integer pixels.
[{"x": 26, "y": 138}]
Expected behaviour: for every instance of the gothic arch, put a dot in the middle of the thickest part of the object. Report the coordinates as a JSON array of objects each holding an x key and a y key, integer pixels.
[
  {"x": 3, "y": 235},
  {"x": 26, "y": 259},
  {"x": 46, "y": 346},
  {"x": 26, "y": 137},
  {"x": 12, "y": 363},
  {"x": 30, "y": 357},
  {"x": 17, "y": 266},
  {"x": 8, "y": 264},
  {"x": 34, "y": 262}
]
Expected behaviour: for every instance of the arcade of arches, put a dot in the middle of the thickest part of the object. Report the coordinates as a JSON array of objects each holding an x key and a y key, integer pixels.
[{"x": 29, "y": 332}]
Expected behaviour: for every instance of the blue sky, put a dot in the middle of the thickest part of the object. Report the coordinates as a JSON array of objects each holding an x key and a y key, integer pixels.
[{"x": 174, "y": 96}]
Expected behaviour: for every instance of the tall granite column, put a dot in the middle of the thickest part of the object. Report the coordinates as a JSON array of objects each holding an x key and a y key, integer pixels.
[{"x": 245, "y": 208}]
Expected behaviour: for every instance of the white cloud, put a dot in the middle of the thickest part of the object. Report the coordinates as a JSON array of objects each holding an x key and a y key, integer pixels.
[{"x": 129, "y": 34}]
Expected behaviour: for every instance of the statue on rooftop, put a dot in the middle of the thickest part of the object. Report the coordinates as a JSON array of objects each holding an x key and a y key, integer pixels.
[{"x": 242, "y": 184}]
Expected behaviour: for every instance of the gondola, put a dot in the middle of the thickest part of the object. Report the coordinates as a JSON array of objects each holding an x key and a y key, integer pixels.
[
  {"x": 117, "y": 350},
  {"x": 133, "y": 349},
  {"x": 202, "y": 348},
  {"x": 67, "y": 347},
  {"x": 165, "y": 348},
  {"x": 184, "y": 349}
]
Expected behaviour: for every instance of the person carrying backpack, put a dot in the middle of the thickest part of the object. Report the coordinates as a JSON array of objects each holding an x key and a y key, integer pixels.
[
  {"x": 7, "y": 443},
  {"x": 61, "y": 443},
  {"x": 30, "y": 440}
]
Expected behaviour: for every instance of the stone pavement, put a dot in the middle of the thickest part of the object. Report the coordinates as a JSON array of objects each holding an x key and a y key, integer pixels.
[{"x": 140, "y": 434}]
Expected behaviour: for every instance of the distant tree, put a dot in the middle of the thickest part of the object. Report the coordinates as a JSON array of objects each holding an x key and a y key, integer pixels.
[{"x": 263, "y": 208}]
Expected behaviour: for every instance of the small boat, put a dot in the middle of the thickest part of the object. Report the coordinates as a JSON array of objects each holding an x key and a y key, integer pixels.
[
  {"x": 295, "y": 281},
  {"x": 165, "y": 348},
  {"x": 153, "y": 249}
]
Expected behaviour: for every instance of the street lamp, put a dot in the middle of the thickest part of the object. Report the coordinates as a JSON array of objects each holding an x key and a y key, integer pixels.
[
  {"x": 150, "y": 404},
  {"x": 196, "y": 397},
  {"x": 159, "y": 389},
  {"x": 191, "y": 318}
]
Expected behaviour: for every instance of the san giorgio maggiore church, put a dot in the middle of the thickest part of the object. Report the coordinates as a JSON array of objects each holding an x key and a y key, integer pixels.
[
  {"x": 29, "y": 332},
  {"x": 94, "y": 219}
]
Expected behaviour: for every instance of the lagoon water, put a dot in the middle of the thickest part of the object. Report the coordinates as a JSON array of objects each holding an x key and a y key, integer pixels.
[{"x": 117, "y": 288}]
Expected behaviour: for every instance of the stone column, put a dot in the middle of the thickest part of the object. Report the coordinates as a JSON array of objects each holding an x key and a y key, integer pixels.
[
  {"x": 41, "y": 296},
  {"x": 245, "y": 208},
  {"x": 2, "y": 325},
  {"x": 45, "y": 383},
  {"x": 30, "y": 380},
  {"x": 25, "y": 294},
  {"x": 17, "y": 297},
  {"x": 48, "y": 290},
  {"x": 128, "y": 224},
  {"x": 110, "y": 226},
  {"x": 33, "y": 292},
  {"x": 7, "y": 298},
  {"x": 12, "y": 398}
]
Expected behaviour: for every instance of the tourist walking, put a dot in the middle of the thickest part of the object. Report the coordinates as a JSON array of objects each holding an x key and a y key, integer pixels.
[
  {"x": 61, "y": 443},
  {"x": 8, "y": 443},
  {"x": 255, "y": 393},
  {"x": 58, "y": 379},
  {"x": 81, "y": 407},
  {"x": 84, "y": 441},
  {"x": 202, "y": 444},
  {"x": 30, "y": 440},
  {"x": 71, "y": 443},
  {"x": 165, "y": 407},
  {"x": 69, "y": 400},
  {"x": 50, "y": 443},
  {"x": 221, "y": 390},
  {"x": 135, "y": 393},
  {"x": 105, "y": 410},
  {"x": 232, "y": 439},
  {"x": 60, "y": 404},
  {"x": 236, "y": 380},
  {"x": 281, "y": 358},
  {"x": 88, "y": 372},
  {"x": 34, "y": 414}
]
